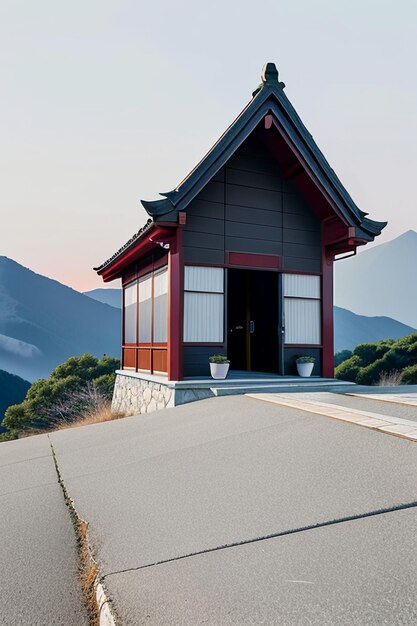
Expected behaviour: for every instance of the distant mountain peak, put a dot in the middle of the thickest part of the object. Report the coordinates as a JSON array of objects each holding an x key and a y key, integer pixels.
[
  {"x": 43, "y": 322},
  {"x": 380, "y": 281},
  {"x": 408, "y": 234}
]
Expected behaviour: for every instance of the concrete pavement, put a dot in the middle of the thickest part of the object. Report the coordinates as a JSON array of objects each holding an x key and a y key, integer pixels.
[
  {"x": 360, "y": 572},
  {"x": 229, "y": 470},
  {"x": 38, "y": 556}
]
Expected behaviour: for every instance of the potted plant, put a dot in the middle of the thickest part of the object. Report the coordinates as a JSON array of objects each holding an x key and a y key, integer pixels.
[
  {"x": 219, "y": 366},
  {"x": 305, "y": 365}
]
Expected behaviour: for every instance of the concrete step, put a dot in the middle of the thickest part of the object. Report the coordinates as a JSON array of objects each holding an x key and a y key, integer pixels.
[{"x": 281, "y": 387}]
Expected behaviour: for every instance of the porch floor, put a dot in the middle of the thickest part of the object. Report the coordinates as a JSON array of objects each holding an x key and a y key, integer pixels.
[{"x": 240, "y": 382}]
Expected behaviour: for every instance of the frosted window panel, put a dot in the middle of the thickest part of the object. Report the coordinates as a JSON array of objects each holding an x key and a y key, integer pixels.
[
  {"x": 145, "y": 309},
  {"x": 209, "y": 279},
  {"x": 160, "y": 284},
  {"x": 160, "y": 314},
  {"x": 301, "y": 286},
  {"x": 203, "y": 317},
  {"x": 130, "y": 301},
  {"x": 302, "y": 321}
]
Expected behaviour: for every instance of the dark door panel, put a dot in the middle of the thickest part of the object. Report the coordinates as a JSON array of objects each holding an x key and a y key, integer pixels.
[{"x": 253, "y": 320}]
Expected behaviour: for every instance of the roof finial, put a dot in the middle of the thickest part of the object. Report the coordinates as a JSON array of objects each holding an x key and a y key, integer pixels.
[
  {"x": 269, "y": 76},
  {"x": 269, "y": 73}
]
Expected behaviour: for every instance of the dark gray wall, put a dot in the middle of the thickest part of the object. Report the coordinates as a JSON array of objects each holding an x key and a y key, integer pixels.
[
  {"x": 249, "y": 207},
  {"x": 291, "y": 354},
  {"x": 196, "y": 359}
]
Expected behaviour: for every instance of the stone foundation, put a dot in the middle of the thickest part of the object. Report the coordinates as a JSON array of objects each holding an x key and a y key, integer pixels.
[{"x": 135, "y": 395}]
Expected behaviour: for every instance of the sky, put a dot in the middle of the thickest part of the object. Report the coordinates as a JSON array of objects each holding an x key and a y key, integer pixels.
[{"x": 104, "y": 103}]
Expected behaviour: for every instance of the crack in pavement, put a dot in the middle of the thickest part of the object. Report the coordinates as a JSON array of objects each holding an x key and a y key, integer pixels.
[
  {"x": 9, "y": 493},
  {"x": 96, "y": 600},
  {"x": 32, "y": 458},
  {"x": 293, "y": 531}
]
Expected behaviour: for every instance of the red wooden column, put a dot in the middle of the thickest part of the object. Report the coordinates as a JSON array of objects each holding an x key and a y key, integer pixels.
[
  {"x": 175, "y": 307},
  {"x": 327, "y": 315}
]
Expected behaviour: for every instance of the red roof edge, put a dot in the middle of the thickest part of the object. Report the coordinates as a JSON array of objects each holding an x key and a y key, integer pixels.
[{"x": 150, "y": 240}]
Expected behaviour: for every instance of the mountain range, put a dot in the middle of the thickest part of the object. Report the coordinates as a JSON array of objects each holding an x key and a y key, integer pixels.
[
  {"x": 351, "y": 329},
  {"x": 43, "y": 322},
  {"x": 111, "y": 296},
  {"x": 381, "y": 280}
]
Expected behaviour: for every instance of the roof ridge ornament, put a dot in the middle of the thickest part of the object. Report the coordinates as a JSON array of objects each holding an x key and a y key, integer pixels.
[{"x": 269, "y": 76}]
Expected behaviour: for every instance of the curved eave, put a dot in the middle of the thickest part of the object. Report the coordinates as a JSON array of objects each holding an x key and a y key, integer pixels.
[
  {"x": 155, "y": 208},
  {"x": 373, "y": 228}
]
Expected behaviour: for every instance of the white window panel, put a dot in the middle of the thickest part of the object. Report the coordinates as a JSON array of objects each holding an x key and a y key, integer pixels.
[
  {"x": 302, "y": 321},
  {"x": 145, "y": 309},
  {"x": 130, "y": 299},
  {"x": 203, "y": 317},
  {"x": 145, "y": 288},
  {"x": 301, "y": 286},
  {"x": 208, "y": 279},
  {"x": 160, "y": 306},
  {"x": 160, "y": 284}
]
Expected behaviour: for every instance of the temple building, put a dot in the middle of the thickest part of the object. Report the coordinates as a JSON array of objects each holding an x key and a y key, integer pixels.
[{"x": 238, "y": 259}]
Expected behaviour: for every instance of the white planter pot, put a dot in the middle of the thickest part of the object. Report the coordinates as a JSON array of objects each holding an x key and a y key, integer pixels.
[
  {"x": 219, "y": 370},
  {"x": 305, "y": 369}
]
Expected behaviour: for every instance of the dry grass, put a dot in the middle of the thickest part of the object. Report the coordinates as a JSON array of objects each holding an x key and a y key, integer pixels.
[
  {"x": 95, "y": 415},
  {"x": 390, "y": 379},
  {"x": 88, "y": 571}
]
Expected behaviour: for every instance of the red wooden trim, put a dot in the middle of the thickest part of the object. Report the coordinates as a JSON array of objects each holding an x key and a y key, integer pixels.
[
  {"x": 152, "y": 316},
  {"x": 123, "y": 330},
  {"x": 182, "y": 218},
  {"x": 243, "y": 259},
  {"x": 268, "y": 121},
  {"x": 175, "y": 308},
  {"x": 158, "y": 345},
  {"x": 327, "y": 329},
  {"x": 149, "y": 242}
]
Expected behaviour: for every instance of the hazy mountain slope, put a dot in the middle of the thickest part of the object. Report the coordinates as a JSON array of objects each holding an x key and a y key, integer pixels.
[
  {"x": 381, "y": 280},
  {"x": 112, "y": 297},
  {"x": 351, "y": 329},
  {"x": 12, "y": 391},
  {"x": 43, "y": 322}
]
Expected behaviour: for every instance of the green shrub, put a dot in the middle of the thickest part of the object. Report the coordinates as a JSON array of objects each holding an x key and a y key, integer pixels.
[
  {"x": 341, "y": 356},
  {"x": 409, "y": 375},
  {"x": 349, "y": 369},
  {"x": 218, "y": 358},
  {"x": 370, "y": 352},
  {"x": 305, "y": 359}
]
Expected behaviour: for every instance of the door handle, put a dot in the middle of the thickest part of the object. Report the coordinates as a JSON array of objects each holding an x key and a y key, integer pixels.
[{"x": 251, "y": 327}]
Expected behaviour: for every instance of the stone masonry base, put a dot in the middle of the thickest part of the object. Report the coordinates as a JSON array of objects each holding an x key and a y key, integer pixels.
[{"x": 134, "y": 395}]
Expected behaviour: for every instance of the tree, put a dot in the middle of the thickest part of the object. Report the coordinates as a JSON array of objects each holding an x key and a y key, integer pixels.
[
  {"x": 341, "y": 356},
  {"x": 370, "y": 361},
  {"x": 72, "y": 387}
]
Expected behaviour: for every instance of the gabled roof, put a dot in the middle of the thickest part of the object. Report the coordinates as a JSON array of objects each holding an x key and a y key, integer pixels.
[{"x": 268, "y": 98}]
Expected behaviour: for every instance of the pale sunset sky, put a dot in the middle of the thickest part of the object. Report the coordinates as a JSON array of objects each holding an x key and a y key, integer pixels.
[{"x": 107, "y": 102}]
